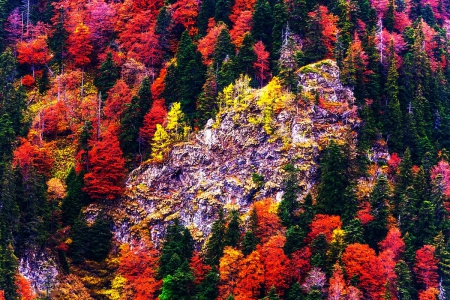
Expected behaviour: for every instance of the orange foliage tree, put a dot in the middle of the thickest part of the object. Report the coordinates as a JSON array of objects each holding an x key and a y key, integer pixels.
[
  {"x": 24, "y": 288},
  {"x": 207, "y": 44},
  {"x": 250, "y": 277},
  {"x": 242, "y": 26},
  {"x": 268, "y": 222},
  {"x": 360, "y": 260},
  {"x": 106, "y": 174},
  {"x": 139, "y": 265},
  {"x": 229, "y": 266},
  {"x": 79, "y": 45},
  {"x": 29, "y": 157},
  {"x": 324, "y": 224}
]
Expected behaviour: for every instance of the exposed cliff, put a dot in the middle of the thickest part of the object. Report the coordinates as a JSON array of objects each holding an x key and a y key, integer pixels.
[{"x": 255, "y": 132}]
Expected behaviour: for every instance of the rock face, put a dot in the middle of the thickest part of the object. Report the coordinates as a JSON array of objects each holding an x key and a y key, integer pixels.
[{"x": 215, "y": 167}]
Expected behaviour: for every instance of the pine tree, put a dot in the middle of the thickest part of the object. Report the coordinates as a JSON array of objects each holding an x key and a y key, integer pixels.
[
  {"x": 233, "y": 234},
  {"x": 224, "y": 49},
  {"x": 207, "y": 105},
  {"x": 75, "y": 198},
  {"x": 107, "y": 76},
  {"x": 216, "y": 243},
  {"x": 262, "y": 22},
  {"x": 333, "y": 181},
  {"x": 289, "y": 204},
  {"x": 250, "y": 239},
  {"x": 208, "y": 287},
  {"x": 223, "y": 11},
  {"x": 99, "y": 239},
  {"x": 8, "y": 271},
  {"x": 389, "y": 17},
  {"x": 178, "y": 285},
  {"x": 246, "y": 56},
  {"x": 405, "y": 283},
  {"x": 272, "y": 295},
  {"x": 379, "y": 200},
  {"x": 393, "y": 122},
  {"x": 280, "y": 18},
  {"x": 404, "y": 178},
  {"x": 207, "y": 11},
  {"x": 80, "y": 238},
  {"x": 438, "y": 200},
  {"x": 287, "y": 62}
]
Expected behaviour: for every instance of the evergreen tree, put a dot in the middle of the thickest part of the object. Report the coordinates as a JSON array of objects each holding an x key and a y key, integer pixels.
[
  {"x": 272, "y": 295},
  {"x": 442, "y": 253},
  {"x": 289, "y": 203},
  {"x": 389, "y": 17},
  {"x": 319, "y": 247},
  {"x": 262, "y": 22},
  {"x": 438, "y": 200},
  {"x": 74, "y": 199},
  {"x": 207, "y": 105},
  {"x": 250, "y": 239},
  {"x": 233, "y": 234},
  {"x": 8, "y": 271},
  {"x": 354, "y": 232},
  {"x": 404, "y": 178},
  {"x": 334, "y": 180},
  {"x": 246, "y": 56},
  {"x": 226, "y": 74},
  {"x": 405, "y": 283},
  {"x": 207, "y": 11},
  {"x": 379, "y": 200},
  {"x": 393, "y": 122},
  {"x": 224, "y": 49},
  {"x": 287, "y": 62},
  {"x": 80, "y": 238},
  {"x": 295, "y": 292},
  {"x": 280, "y": 18},
  {"x": 216, "y": 242},
  {"x": 107, "y": 76},
  {"x": 295, "y": 236},
  {"x": 179, "y": 285},
  {"x": 99, "y": 239},
  {"x": 223, "y": 11},
  {"x": 208, "y": 288}
]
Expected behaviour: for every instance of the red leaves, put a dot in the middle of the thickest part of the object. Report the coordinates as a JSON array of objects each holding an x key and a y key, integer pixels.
[
  {"x": 107, "y": 170},
  {"x": 118, "y": 97},
  {"x": 34, "y": 52},
  {"x": 156, "y": 115},
  {"x": 242, "y": 25},
  {"x": 24, "y": 288},
  {"x": 361, "y": 260},
  {"x": 79, "y": 46},
  {"x": 199, "y": 268},
  {"x": 261, "y": 64},
  {"x": 185, "y": 13},
  {"x": 324, "y": 224},
  {"x": 29, "y": 157},
  {"x": 268, "y": 221},
  {"x": 207, "y": 44},
  {"x": 328, "y": 22},
  {"x": 426, "y": 267},
  {"x": 139, "y": 264}
]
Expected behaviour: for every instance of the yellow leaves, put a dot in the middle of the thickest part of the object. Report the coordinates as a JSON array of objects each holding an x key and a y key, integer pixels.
[
  {"x": 115, "y": 292},
  {"x": 160, "y": 142},
  {"x": 56, "y": 189}
]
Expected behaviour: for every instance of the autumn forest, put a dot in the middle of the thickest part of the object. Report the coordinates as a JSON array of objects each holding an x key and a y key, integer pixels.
[{"x": 224, "y": 149}]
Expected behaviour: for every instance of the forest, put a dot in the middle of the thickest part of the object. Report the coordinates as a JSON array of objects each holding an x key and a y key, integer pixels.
[{"x": 94, "y": 92}]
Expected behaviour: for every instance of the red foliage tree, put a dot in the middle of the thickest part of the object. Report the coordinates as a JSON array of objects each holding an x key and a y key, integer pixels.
[
  {"x": 185, "y": 13},
  {"x": 139, "y": 265},
  {"x": 361, "y": 260},
  {"x": 199, "y": 268},
  {"x": 107, "y": 168},
  {"x": 207, "y": 44},
  {"x": 393, "y": 242},
  {"x": 277, "y": 268},
  {"x": 156, "y": 115},
  {"x": 328, "y": 23},
  {"x": 79, "y": 45},
  {"x": 261, "y": 64},
  {"x": 242, "y": 25},
  {"x": 241, "y": 6},
  {"x": 158, "y": 85},
  {"x": 429, "y": 294},
  {"x": 324, "y": 224},
  {"x": 337, "y": 288},
  {"x": 426, "y": 267},
  {"x": 300, "y": 265},
  {"x": 2, "y": 295},
  {"x": 118, "y": 97},
  {"x": 34, "y": 52},
  {"x": 29, "y": 157}
]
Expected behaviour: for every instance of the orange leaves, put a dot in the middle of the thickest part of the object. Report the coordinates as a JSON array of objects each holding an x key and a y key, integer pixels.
[
  {"x": 185, "y": 13},
  {"x": 250, "y": 277},
  {"x": 207, "y": 44},
  {"x": 156, "y": 115},
  {"x": 360, "y": 260},
  {"x": 24, "y": 288},
  {"x": 324, "y": 224},
  {"x": 426, "y": 267},
  {"x": 105, "y": 177},
  {"x": 34, "y": 52},
  {"x": 268, "y": 221},
  {"x": 229, "y": 270},
  {"x": 79, "y": 46},
  {"x": 139, "y": 264},
  {"x": 32, "y": 157},
  {"x": 242, "y": 25},
  {"x": 429, "y": 294},
  {"x": 261, "y": 64},
  {"x": 198, "y": 267},
  {"x": 328, "y": 22}
]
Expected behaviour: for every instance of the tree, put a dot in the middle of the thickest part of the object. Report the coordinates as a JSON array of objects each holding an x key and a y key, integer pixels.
[
  {"x": 233, "y": 234},
  {"x": 250, "y": 277},
  {"x": 107, "y": 77},
  {"x": 261, "y": 64},
  {"x": 99, "y": 242},
  {"x": 229, "y": 270},
  {"x": 405, "y": 286},
  {"x": 223, "y": 49},
  {"x": 289, "y": 203},
  {"x": 155, "y": 116},
  {"x": 105, "y": 177},
  {"x": 262, "y": 22},
  {"x": 337, "y": 288},
  {"x": 216, "y": 243},
  {"x": 333, "y": 181},
  {"x": 206, "y": 12},
  {"x": 79, "y": 46},
  {"x": 74, "y": 199},
  {"x": 241, "y": 28},
  {"x": 426, "y": 267},
  {"x": 178, "y": 285}
]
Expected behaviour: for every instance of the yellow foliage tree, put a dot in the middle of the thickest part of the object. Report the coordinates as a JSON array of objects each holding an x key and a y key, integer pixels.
[
  {"x": 229, "y": 269},
  {"x": 161, "y": 141}
]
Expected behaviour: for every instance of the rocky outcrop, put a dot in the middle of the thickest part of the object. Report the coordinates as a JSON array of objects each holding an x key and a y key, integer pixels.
[{"x": 215, "y": 168}]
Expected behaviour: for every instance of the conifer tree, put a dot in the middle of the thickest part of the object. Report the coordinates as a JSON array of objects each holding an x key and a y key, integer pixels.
[
  {"x": 389, "y": 16},
  {"x": 280, "y": 18},
  {"x": 207, "y": 11},
  {"x": 289, "y": 204},
  {"x": 207, "y": 105},
  {"x": 223, "y": 49},
  {"x": 379, "y": 200},
  {"x": 75, "y": 198},
  {"x": 216, "y": 242},
  {"x": 394, "y": 122},
  {"x": 223, "y": 11},
  {"x": 405, "y": 282},
  {"x": 246, "y": 56},
  {"x": 250, "y": 239},
  {"x": 107, "y": 77},
  {"x": 178, "y": 285},
  {"x": 331, "y": 198},
  {"x": 262, "y": 22},
  {"x": 233, "y": 234}
]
